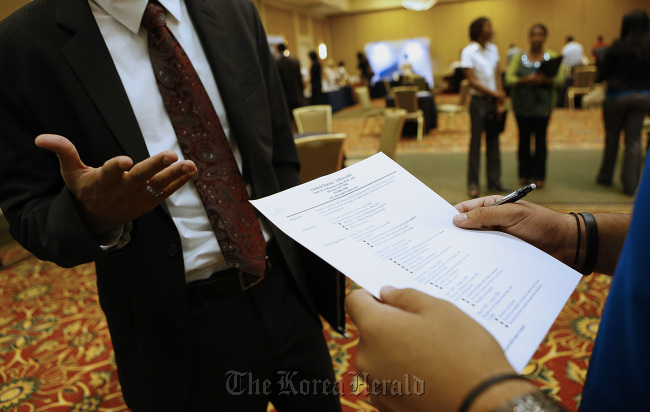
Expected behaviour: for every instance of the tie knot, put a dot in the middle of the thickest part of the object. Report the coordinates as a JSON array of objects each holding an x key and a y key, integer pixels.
[{"x": 154, "y": 16}]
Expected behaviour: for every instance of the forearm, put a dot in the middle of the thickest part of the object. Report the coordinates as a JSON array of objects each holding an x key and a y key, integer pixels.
[
  {"x": 499, "y": 78},
  {"x": 479, "y": 87}
]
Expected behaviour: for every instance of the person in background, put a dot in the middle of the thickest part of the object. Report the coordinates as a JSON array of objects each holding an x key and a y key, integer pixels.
[
  {"x": 534, "y": 96},
  {"x": 598, "y": 51},
  {"x": 626, "y": 69},
  {"x": 512, "y": 50},
  {"x": 480, "y": 63},
  {"x": 316, "y": 79},
  {"x": 406, "y": 73},
  {"x": 365, "y": 72},
  {"x": 289, "y": 70},
  {"x": 343, "y": 75},
  {"x": 573, "y": 53},
  {"x": 330, "y": 75},
  {"x": 600, "y": 42},
  {"x": 454, "y": 354}
]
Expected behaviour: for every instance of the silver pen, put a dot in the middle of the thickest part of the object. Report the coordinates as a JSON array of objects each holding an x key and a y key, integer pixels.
[{"x": 516, "y": 195}]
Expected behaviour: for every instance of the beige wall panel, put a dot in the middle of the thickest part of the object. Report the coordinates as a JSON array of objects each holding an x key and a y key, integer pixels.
[
  {"x": 9, "y": 6},
  {"x": 280, "y": 23},
  {"x": 320, "y": 35},
  {"x": 341, "y": 33},
  {"x": 303, "y": 24}
]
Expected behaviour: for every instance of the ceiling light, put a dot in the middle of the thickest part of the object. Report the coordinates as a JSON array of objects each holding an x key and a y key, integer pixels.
[{"x": 418, "y": 5}]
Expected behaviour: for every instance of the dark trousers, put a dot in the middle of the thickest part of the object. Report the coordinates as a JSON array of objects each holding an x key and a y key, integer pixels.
[
  {"x": 483, "y": 116},
  {"x": 532, "y": 166},
  {"x": 258, "y": 346},
  {"x": 624, "y": 112}
]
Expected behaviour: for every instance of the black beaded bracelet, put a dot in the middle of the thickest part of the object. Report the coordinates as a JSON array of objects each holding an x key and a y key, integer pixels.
[
  {"x": 592, "y": 243},
  {"x": 483, "y": 386},
  {"x": 575, "y": 261}
]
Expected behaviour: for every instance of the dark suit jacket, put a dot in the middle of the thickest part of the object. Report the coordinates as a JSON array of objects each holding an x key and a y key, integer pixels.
[
  {"x": 316, "y": 74},
  {"x": 289, "y": 69},
  {"x": 57, "y": 76}
]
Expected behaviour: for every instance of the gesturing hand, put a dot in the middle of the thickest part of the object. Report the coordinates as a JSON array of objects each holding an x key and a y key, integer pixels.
[
  {"x": 116, "y": 192},
  {"x": 553, "y": 232}
]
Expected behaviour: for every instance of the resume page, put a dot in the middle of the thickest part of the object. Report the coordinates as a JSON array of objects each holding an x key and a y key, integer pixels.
[{"x": 379, "y": 225}]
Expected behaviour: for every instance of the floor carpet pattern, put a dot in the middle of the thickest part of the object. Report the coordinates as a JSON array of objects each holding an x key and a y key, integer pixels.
[{"x": 56, "y": 353}]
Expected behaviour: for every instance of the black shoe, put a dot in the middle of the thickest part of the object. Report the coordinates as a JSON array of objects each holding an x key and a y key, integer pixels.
[
  {"x": 603, "y": 182},
  {"x": 472, "y": 190}
]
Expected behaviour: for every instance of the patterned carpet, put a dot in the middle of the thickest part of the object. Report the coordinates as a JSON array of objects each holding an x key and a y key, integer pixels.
[
  {"x": 568, "y": 129},
  {"x": 56, "y": 353}
]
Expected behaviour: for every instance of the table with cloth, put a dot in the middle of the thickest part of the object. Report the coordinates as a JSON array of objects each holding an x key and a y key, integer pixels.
[{"x": 427, "y": 104}]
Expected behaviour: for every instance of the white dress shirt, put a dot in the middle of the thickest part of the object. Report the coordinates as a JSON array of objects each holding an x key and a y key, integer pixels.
[
  {"x": 573, "y": 54},
  {"x": 483, "y": 61},
  {"x": 120, "y": 24}
]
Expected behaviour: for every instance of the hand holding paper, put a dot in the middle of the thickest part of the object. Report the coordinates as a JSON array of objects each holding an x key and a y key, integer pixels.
[{"x": 379, "y": 226}]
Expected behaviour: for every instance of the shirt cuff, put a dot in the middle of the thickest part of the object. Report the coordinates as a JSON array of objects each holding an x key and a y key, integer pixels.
[{"x": 116, "y": 238}]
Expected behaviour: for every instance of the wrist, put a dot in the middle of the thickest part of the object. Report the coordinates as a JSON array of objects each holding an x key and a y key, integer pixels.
[
  {"x": 570, "y": 240},
  {"x": 533, "y": 401},
  {"x": 500, "y": 394},
  {"x": 586, "y": 243}
]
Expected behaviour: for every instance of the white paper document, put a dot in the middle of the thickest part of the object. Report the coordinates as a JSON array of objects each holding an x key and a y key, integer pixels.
[{"x": 379, "y": 225}]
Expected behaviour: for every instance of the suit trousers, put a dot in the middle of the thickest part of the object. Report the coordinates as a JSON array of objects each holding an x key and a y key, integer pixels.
[
  {"x": 261, "y": 345},
  {"x": 483, "y": 117},
  {"x": 624, "y": 112},
  {"x": 532, "y": 166}
]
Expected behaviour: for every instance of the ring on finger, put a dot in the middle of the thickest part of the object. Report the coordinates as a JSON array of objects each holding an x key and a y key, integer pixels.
[{"x": 153, "y": 191}]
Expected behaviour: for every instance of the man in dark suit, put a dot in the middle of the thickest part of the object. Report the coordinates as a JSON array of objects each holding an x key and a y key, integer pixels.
[
  {"x": 113, "y": 192},
  {"x": 289, "y": 69}
]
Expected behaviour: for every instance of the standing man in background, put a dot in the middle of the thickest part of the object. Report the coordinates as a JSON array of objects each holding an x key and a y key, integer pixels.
[
  {"x": 316, "y": 79},
  {"x": 574, "y": 53},
  {"x": 480, "y": 63},
  {"x": 289, "y": 69},
  {"x": 201, "y": 296}
]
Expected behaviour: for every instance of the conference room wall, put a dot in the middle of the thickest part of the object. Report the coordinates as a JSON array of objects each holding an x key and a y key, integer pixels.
[
  {"x": 302, "y": 31},
  {"x": 446, "y": 24}
]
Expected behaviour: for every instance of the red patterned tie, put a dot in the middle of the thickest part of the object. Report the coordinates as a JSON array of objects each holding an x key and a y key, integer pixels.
[{"x": 203, "y": 141}]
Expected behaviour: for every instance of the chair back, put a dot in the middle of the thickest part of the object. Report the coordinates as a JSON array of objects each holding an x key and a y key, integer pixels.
[
  {"x": 313, "y": 119},
  {"x": 363, "y": 94},
  {"x": 645, "y": 126},
  {"x": 320, "y": 155},
  {"x": 421, "y": 83},
  {"x": 406, "y": 98},
  {"x": 391, "y": 131},
  {"x": 584, "y": 76},
  {"x": 388, "y": 87}
]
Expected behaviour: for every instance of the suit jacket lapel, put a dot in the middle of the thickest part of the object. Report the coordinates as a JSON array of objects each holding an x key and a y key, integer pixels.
[
  {"x": 89, "y": 57},
  {"x": 210, "y": 26}
]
